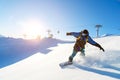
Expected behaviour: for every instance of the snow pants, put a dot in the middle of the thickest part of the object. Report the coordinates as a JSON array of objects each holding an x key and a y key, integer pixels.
[{"x": 75, "y": 52}]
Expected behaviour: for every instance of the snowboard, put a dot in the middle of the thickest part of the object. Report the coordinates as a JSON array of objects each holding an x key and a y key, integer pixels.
[{"x": 63, "y": 64}]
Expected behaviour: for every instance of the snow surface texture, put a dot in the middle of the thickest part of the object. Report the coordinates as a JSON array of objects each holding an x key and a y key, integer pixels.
[
  {"x": 13, "y": 50},
  {"x": 97, "y": 65}
]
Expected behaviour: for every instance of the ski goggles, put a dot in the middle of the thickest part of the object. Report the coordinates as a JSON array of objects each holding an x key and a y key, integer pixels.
[{"x": 83, "y": 34}]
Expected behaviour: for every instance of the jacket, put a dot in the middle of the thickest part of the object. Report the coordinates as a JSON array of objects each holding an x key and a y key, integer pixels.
[{"x": 81, "y": 41}]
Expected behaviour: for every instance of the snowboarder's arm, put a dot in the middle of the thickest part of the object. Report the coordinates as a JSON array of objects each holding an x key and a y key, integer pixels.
[
  {"x": 91, "y": 41},
  {"x": 97, "y": 45},
  {"x": 68, "y": 33},
  {"x": 75, "y": 34}
]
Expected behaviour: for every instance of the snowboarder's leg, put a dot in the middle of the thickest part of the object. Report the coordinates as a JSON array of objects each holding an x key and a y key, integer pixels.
[
  {"x": 72, "y": 56},
  {"x": 82, "y": 52}
]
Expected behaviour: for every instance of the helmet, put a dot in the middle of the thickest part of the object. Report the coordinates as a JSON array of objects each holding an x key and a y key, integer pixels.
[{"x": 85, "y": 32}]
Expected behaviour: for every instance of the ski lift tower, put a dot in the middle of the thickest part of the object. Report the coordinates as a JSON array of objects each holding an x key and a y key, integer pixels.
[{"x": 97, "y": 29}]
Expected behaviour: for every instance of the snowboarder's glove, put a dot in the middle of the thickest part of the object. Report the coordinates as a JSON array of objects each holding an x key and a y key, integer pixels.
[
  {"x": 102, "y": 49},
  {"x": 99, "y": 47},
  {"x": 68, "y": 33}
]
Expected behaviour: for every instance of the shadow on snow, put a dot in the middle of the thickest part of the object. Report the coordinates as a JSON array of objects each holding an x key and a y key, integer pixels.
[
  {"x": 13, "y": 50},
  {"x": 101, "y": 72}
]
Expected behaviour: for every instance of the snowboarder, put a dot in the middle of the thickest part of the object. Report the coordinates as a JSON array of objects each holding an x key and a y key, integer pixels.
[{"x": 81, "y": 39}]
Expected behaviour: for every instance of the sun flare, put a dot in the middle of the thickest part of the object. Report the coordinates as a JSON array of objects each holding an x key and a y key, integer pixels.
[{"x": 33, "y": 28}]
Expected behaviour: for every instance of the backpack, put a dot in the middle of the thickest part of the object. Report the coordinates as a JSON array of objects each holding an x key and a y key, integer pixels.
[{"x": 80, "y": 42}]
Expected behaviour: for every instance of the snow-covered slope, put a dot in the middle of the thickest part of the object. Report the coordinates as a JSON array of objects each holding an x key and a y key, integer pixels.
[
  {"x": 105, "y": 35},
  {"x": 97, "y": 65},
  {"x": 13, "y": 50},
  {"x": 1, "y": 36}
]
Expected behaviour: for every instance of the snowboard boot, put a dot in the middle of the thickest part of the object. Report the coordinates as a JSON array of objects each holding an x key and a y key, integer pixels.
[
  {"x": 82, "y": 54},
  {"x": 70, "y": 60}
]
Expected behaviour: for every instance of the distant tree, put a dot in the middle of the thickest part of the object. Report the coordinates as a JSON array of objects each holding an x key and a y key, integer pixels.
[
  {"x": 58, "y": 31},
  {"x": 25, "y": 36},
  {"x": 49, "y": 31},
  {"x": 97, "y": 28},
  {"x": 50, "y": 35},
  {"x": 38, "y": 37}
]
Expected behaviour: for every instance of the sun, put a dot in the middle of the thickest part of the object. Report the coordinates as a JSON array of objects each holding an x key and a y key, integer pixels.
[{"x": 33, "y": 28}]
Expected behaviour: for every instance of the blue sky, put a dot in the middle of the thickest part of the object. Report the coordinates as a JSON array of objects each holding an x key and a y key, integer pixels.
[{"x": 35, "y": 17}]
